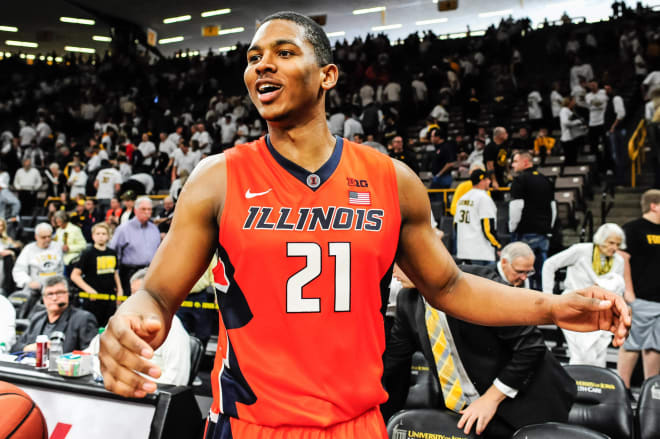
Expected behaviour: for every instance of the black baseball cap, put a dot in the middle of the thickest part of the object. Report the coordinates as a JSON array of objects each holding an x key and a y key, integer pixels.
[{"x": 477, "y": 175}]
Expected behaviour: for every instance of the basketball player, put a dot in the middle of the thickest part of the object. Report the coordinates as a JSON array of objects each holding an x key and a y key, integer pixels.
[{"x": 307, "y": 227}]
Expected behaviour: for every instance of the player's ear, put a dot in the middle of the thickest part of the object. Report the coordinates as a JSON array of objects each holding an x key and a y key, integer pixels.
[{"x": 329, "y": 75}]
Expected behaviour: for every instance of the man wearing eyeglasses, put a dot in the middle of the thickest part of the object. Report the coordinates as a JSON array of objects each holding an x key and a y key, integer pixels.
[
  {"x": 504, "y": 377},
  {"x": 78, "y": 326}
]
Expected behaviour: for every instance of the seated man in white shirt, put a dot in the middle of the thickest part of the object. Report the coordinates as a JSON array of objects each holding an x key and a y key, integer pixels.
[{"x": 173, "y": 356}]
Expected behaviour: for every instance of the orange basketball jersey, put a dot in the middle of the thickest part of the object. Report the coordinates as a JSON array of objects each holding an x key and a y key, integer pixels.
[{"x": 305, "y": 264}]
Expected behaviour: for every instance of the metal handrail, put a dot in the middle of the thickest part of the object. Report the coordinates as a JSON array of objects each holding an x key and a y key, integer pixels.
[{"x": 636, "y": 151}]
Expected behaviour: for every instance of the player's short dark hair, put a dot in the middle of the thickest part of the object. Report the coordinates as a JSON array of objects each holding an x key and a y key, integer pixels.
[{"x": 313, "y": 33}]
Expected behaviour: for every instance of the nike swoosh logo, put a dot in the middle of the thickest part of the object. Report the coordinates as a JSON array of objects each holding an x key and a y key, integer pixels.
[{"x": 249, "y": 194}]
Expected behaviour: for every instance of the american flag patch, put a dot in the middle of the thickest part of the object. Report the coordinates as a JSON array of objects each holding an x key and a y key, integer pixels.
[{"x": 359, "y": 198}]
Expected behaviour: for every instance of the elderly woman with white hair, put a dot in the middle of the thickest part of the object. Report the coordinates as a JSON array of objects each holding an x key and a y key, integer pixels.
[{"x": 596, "y": 263}]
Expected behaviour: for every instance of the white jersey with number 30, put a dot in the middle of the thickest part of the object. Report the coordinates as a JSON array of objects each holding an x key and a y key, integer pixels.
[{"x": 472, "y": 208}]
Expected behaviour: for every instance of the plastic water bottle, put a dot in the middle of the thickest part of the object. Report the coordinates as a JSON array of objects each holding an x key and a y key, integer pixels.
[
  {"x": 3, "y": 348},
  {"x": 55, "y": 351},
  {"x": 96, "y": 363}
]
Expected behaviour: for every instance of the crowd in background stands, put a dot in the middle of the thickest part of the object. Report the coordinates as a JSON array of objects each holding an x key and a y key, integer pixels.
[{"x": 97, "y": 131}]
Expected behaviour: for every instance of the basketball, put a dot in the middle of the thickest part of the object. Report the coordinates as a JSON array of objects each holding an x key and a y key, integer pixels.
[{"x": 20, "y": 418}]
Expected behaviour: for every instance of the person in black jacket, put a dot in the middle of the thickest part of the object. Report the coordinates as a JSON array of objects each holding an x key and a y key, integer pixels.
[
  {"x": 78, "y": 326},
  {"x": 513, "y": 379},
  {"x": 532, "y": 210}
]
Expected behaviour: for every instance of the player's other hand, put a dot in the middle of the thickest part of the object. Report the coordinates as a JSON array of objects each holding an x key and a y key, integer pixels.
[
  {"x": 126, "y": 347},
  {"x": 591, "y": 309}
]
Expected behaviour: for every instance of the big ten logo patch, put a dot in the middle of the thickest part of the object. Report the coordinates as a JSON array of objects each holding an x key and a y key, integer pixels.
[
  {"x": 591, "y": 387},
  {"x": 356, "y": 182}
]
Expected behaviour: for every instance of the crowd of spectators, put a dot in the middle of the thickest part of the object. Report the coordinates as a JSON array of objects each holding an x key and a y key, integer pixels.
[{"x": 85, "y": 142}]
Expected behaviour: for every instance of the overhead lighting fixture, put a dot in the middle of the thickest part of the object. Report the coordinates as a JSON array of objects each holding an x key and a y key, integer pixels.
[
  {"x": 340, "y": 33},
  {"x": 42, "y": 58},
  {"x": 226, "y": 49},
  {"x": 30, "y": 56},
  {"x": 21, "y": 43},
  {"x": 85, "y": 21},
  {"x": 387, "y": 27},
  {"x": 477, "y": 33},
  {"x": 216, "y": 12},
  {"x": 58, "y": 59},
  {"x": 434, "y": 21},
  {"x": 231, "y": 30},
  {"x": 495, "y": 13},
  {"x": 369, "y": 10},
  {"x": 49, "y": 58},
  {"x": 177, "y": 19},
  {"x": 8, "y": 29},
  {"x": 7, "y": 54},
  {"x": 170, "y": 40},
  {"x": 79, "y": 49},
  {"x": 458, "y": 35},
  {"x": 101, "y": 38}
]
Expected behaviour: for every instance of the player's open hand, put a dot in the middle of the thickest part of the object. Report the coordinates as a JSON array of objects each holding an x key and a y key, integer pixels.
[
  {"x": 125, "y": 347},
  {"x": 591, "y": 309}
]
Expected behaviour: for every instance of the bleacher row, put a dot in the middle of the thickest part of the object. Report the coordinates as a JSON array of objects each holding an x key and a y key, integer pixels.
[{"x": 602, "y": 409}]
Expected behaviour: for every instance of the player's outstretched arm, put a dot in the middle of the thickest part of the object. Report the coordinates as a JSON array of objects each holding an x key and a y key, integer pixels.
[
  {"x": 474, "y": 299},
  {"x": 141, "y": 324}
]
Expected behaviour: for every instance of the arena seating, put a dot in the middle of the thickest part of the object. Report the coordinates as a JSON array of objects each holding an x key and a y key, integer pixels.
[
  {"x": 555, "y": 430},
  {"x": 423, "y": 391},
  {"x": 414, "y": 423},
  {"x": 648, "y": 410},
  {"x": 196, "y": 354},
  {"x": 602, "y": 403}
]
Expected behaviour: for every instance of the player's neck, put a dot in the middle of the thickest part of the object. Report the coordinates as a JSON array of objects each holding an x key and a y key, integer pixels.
[
  {"x": 101, "y": 247},
  {"x": 309, "y": 145}
]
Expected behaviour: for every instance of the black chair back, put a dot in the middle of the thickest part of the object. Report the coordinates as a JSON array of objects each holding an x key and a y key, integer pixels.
[
  {"x": 424, "y": 391},
  {"x": 426, "y": 423},
  {"x": 554, "y": 430},
  {"x": 602, "y": 403},
  {"x": 196, "y": 353},
  {"x": 648, "y": 410}
]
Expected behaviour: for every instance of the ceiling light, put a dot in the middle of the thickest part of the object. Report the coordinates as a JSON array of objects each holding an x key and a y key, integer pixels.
[
  {"x": 20, "y": 43},
  {"x": 7, "y": 55},
  {"x": 434, "y": 21},
  {"x": 231, "y": 30},
  {"x": 477, "y": 33},
  {"x": 177, "y": 19},
  {"x": 101, "y": 38},
  {"x": 369, "y": 10},
  {"x": 458, "y": 35},
  {"x": 216, "y": 12},
  {"x": 79, "y": 49},
  {"x": 58, "y": 59},
  {"x": 8, "y": 28},
  {"x": 49, "y": 58},
  {"x": 496, "y": 13},
  {"x": 170, "y": 40},
  {"x": 77, "y": 21},
  {"x": 21, "y": 56},
  {"x": 387, "y": 27},
  {"x": 30, "y": 56},
  {"x": 340, "y": 33},
  {"x": 226, "y": 49}
]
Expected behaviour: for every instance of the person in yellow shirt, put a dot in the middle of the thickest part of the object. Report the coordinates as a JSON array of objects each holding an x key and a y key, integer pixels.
[{"x": 543, "y": 144}]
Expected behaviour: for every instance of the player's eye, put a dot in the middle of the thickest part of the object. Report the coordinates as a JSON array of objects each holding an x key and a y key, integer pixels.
[
  {"x": 254, "y": 58},
  {"x": 285, "y": 53}
]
